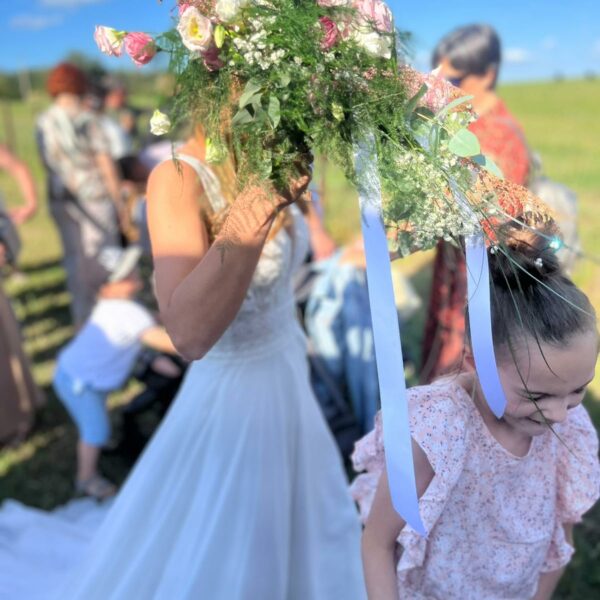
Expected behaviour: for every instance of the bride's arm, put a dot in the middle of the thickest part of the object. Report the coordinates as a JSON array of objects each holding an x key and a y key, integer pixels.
[{"x": 200, "y": 287}]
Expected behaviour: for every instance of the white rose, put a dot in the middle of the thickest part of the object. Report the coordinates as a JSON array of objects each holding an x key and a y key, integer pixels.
[
  {"x": 332, "y": 3},
  {"x": 228, "y": 10},
  {"x": 159, "y": 123},
  {"x": 195, "y": 30},
  {"x": 374, "y": 42}
]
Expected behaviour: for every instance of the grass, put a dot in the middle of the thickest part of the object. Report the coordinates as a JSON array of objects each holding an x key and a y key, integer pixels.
[{"x": 561, "y": 124}]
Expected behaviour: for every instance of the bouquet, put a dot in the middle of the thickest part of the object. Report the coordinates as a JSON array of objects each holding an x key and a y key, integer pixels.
[{"x": 275, "y": 81}]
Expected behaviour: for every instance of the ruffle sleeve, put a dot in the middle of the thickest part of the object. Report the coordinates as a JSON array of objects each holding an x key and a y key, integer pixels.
[
  {"x": 439, "y": 425},
  {"x": 368, "y": 459},
  {"x": 578, "y": 481}
]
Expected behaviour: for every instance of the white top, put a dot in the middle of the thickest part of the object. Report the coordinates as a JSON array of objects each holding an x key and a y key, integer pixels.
[
  {"x": 119, "y": 139},
  {"x": 102, "y": 354}
]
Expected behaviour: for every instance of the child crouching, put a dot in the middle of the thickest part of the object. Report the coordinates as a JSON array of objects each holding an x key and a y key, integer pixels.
[{"x": 99, "y": 361}]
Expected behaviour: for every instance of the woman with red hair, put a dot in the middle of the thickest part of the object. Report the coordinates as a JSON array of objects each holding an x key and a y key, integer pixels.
[{"x": 84, "y": 188}]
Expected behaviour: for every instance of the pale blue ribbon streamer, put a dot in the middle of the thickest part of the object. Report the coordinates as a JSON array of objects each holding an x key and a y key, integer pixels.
[
  {"x": 388, "y": 350},
  {"x": 480, "y": 315},
  {"x": 480, "y": 323}
]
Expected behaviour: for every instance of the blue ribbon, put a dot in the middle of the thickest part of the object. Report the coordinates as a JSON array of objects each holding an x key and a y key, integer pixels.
[
  {"x": 480, "y": 323},
  {"x": 388, "y": 350}
]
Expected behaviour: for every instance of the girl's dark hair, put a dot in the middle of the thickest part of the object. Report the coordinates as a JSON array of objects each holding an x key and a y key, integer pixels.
[
  {"x": 472, "y": 50},
  {"x": 530, "y": 295}
]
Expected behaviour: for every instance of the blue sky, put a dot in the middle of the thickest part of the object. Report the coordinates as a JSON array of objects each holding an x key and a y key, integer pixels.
[{"x": 540, "y": 37}]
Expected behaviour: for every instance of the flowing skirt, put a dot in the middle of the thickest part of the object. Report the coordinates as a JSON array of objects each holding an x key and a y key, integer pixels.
[{"x": 240, "y": 496}]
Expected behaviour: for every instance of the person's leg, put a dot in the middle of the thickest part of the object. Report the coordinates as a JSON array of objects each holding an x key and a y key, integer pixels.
[
  {"x": 87, "y": 461},
  {"x": 87, "y": 407},
  {"x": 69, "y": 229}
]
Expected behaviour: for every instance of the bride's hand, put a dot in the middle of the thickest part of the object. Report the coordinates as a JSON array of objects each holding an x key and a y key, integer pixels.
[
  {"x": 272, "y": 201},
  {"x": 296, "y": 188}
]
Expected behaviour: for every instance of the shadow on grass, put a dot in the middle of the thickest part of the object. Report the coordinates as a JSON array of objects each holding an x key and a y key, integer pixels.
[
  {"x": 41, "y": 266},
  {"x": 28, "y": 294},
  {"x": 40, "y": 471}
]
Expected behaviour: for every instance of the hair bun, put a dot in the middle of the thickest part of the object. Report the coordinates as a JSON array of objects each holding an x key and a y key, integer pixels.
[{"x": 524, "y": 256}]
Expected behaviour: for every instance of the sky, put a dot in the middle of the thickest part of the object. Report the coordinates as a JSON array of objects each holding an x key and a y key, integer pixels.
[{"x": 541, "y": 38}]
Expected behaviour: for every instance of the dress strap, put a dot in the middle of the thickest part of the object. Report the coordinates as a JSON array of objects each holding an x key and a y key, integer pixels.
[{"x": 209, "y": 180}]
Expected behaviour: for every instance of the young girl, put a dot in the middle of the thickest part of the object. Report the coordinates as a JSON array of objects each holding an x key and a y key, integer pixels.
[{"x": 499, "y": 497}]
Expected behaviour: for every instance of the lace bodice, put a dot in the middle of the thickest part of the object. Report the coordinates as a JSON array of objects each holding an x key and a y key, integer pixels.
[{"x": 267, "y": 313}]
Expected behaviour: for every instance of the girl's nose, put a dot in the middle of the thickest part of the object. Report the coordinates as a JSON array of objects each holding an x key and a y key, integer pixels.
[{"x": 557, "y": 413}]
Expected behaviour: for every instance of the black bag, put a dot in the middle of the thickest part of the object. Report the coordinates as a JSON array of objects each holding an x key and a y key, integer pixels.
[{"x": 9, "y": 236}]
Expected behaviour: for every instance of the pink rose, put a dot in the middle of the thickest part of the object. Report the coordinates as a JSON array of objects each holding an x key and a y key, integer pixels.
[
  {"x": 141, "y": 47},
  {"x": 331, "y": 33},
  {"x": 377, "y": 13},
  {"x": 109, "y": 40},
  {"x": 183, "y": 6}
]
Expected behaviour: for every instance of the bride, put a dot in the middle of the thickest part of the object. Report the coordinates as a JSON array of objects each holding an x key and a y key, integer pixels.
[{"x": 241, "y": 494}]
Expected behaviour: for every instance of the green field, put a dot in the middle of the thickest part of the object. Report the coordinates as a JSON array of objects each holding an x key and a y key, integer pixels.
[{"x": 561, "y": 123}]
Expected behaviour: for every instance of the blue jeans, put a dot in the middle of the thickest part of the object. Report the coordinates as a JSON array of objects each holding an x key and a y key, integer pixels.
[{"x": 86, "y": 406}]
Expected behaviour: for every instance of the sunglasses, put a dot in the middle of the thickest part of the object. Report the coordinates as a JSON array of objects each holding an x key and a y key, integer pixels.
[{"x": 456, "y": 81}]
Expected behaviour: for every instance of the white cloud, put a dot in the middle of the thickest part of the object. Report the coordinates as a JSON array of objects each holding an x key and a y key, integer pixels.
[
  {"x": 517, "y": 56},
  {"x": 67, "y": 3},
  {"x": 549, "y": 43},
  {"x": 35, "y": 22}
]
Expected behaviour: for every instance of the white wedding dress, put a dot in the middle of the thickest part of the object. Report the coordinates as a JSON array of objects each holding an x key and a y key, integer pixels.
[{"x": 241, "y": 494}]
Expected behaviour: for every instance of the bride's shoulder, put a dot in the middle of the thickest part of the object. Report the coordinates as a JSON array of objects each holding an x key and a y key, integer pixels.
[{"x": 174, "y": 181}]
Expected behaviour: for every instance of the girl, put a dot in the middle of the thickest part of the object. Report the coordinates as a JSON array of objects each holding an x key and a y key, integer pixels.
[{"x": 499, "y": 497}]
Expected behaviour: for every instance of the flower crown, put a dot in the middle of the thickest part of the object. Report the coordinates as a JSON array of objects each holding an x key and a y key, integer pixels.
[{"x": 272, "y": 81}]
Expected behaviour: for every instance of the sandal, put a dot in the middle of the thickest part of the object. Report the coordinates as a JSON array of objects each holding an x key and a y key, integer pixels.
[{"x": 96, "y": 487}]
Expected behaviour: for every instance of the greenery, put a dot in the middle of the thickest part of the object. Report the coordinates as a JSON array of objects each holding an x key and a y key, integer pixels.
[
  {"x": 273, "y": 82},
  {"x": 563, "y": 128}
]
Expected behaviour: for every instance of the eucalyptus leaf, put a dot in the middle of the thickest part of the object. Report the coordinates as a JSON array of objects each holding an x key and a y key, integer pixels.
[
  {"x": 274, "y": 111},
  {"x": 285, "y": 78},
  {"x": 488, "y": 164},
  {"x": 464, "y": 143},
  {"x": 252, "y": 89},
  {"x": 261, "y": 116},
  {"x": 434, "y": 138},
  {"x": 412, "y": 103},
  {"x": 256, "y": 101},
  {"x": 424, "y": 112},
  {"x": 454, "y": 104},
  {"x": 242, "y": 117}
]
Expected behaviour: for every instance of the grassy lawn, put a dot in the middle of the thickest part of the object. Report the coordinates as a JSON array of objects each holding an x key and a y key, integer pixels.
[{"x": 561, "y": 123}]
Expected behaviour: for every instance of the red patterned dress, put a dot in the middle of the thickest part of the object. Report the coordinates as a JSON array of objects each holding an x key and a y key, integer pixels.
[{"x": 502, "y": 140}]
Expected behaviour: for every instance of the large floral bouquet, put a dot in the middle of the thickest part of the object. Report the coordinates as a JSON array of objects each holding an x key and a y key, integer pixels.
[{"x": 272, "y": 81}]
